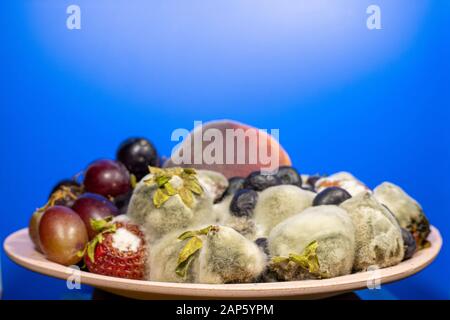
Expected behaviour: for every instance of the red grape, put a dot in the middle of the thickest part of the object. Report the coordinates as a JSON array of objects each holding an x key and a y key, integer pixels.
[
  {"x": 33, "y": 228},
  {"x": 108, "y": 178},
  {"x": 93, "y": 206},
  {"x": 62, "y": 235}
]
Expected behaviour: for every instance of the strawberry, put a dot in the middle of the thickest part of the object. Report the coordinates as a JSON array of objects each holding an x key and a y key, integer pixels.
[{"x": 118, "y": 250}]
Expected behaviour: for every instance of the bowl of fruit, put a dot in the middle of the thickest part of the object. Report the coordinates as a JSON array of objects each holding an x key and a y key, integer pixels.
[{"x": 145, "y": 228}]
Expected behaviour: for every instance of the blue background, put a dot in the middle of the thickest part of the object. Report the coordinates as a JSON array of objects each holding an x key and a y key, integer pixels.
[{"x": 375, "y": 103}]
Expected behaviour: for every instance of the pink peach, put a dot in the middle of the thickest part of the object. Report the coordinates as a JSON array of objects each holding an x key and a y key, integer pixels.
[{"x": 244, "y": 149}]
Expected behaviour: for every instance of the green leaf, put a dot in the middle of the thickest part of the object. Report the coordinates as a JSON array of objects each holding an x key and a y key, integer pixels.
[
  {"x": 159, "y": 198},
  {"x": 189, "y": 171},
  {"x": 182, "y": 268},
  {"x": 149, "y": 181},
  {"x": 307, "y": 260},
  {"x": 170, "y": 190},
  {"x": 187, "y": 254},
  {"x": 101, "y": 224},
  {"x": 165, "y": 190},
  {"x": 133, "y": 181},
  {"x": 81, "y": 253},
  {"x": 104, "y": 226},
  {"x": 187, "y": 197},
  {"x": 207, "y": 230},
  {"x": 280, "y": 259},
  {"x": 187, "y": 234},
  {"x": 192, "y": 246},
  {"x": 155, "y": 170},
  {"x": 162, "y": 180},
  {"x": 190, "y": 234},
  {"x": 194, "y": 186},
  {"x": 111, "y": 229},
  {"x": 92, "y": 245}
]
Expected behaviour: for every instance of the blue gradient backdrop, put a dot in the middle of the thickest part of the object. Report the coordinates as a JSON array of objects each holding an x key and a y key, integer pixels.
[{"x": 375, "y": 103}]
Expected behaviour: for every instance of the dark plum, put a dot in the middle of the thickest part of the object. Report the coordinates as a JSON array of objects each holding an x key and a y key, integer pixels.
[
  {"x": 332, "y": 195},
  {"x": 409, "y": 243},
  {"x": 311, "y": 182},
  {"x": 62, "y": 235},
  {"x": 289, "y": 175},
  {"x": 108, "y": 178},
  {"x": 65, "y": 183},
  {"x": 94, "y": 207},
  {"x": 259, "y": 181},
  {"x": 137, "y": 154},
  {"x": 234, "y": 184},
  {"x": 66, "y": 192},
  {"x": 263, "y": 244},
  {"x": 122, "y": 202},
  {"x": 243, "y": 203}
]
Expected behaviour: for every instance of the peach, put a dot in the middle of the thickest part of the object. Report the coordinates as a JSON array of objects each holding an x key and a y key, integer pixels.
[{"x": 229, "y": 147}]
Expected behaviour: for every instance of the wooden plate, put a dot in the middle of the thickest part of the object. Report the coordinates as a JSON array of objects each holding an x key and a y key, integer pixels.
[{"x": 20, "y": 249}]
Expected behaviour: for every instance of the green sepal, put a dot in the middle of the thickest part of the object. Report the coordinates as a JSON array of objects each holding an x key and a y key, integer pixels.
[
  {"x": 187, "y": 254},
  {"x": 81, "y": 253},
  {"x": 162, "y": 180},
  {"x": 133, "y": 181},
  {"x": 102, "y": 226},
  {"x": 92, "y": 245},
  {"x": 187, "y": 197},
  {"x": 307, "y": 260},
  {"x": 162, "y": 177},
  {"x": 99, "y": 225},
  {"x": 189, "y": 171},
  {"x": 189, "y": 234},
  {"x": 194, "y": 186},
  {"x": 183, "y": 267},
  {"x": 159, "y": 198},
  {"x": 280, "y": 259},
  {"x": 192, "y": 246},
  {"x": 170, "y": 190}
]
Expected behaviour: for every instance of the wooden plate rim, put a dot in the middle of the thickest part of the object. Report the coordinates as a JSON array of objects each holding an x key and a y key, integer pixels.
[{"x": 19, "y": 248}]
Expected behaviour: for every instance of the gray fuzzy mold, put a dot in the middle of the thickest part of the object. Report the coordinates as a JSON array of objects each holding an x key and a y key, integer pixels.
[
  {"x": 278, "y": 203},
  {"x": 244, "y": 225},
  {"x": 379, "y": 239},
  {"x": 334, "y": 232},
  {"x": 163, "y": 257},
  {"x": 228, "y": 257},
  {"x": 407, "y": 210},
  {"x": 344, "y": 180},
  {"x": 222, "y": 209},
  {"x": 212, "y": 182},
  {"x": 173, "y": 215}
]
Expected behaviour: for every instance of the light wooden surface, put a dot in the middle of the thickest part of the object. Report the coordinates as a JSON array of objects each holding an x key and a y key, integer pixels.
[{"x": 20, "y": 249}]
